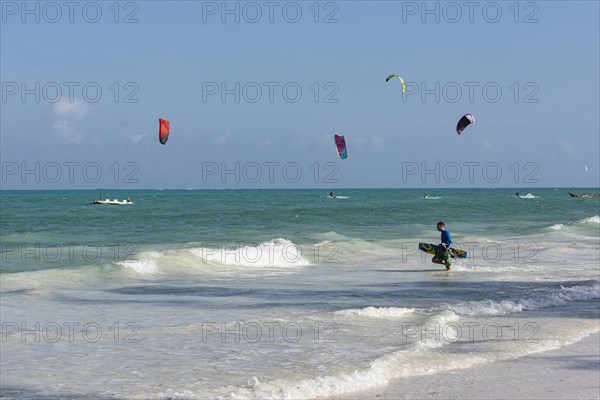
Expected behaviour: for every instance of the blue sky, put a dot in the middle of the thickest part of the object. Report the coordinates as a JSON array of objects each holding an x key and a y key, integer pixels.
[{"x": 528, "y": 71}]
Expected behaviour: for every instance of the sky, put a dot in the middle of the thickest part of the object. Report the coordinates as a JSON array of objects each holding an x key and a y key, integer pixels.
[{"x": 255, "y": 91}]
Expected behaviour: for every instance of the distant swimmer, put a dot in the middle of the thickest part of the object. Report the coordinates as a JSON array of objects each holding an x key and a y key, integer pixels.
[
  {"x": 331, "y": 195},
  {"x": 443, "y": 256}
]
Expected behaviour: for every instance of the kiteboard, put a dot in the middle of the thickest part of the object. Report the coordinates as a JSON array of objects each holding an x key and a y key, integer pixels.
[{"x": 433, "y": 248}]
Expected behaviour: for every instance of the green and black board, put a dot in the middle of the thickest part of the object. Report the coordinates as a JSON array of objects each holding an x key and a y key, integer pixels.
[{"x": 434, "y": 248}]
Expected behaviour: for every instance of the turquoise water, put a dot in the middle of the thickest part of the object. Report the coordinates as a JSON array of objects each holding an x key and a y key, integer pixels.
[
  {"x": 283, "y": 293},
  {"x": 173, "y": 218}
]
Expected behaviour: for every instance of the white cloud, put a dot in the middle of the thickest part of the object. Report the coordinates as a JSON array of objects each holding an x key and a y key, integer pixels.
[
  {"x": 371, "y": 142},
  {"x": 66, "y": 130},
  {"x": 68, "y": 113},
  {"x": 76, "y": 109},
  {"x": 568, "y": 148},
  {"x": 136, "y": 137},
  {"x": 377, "y": 142},
  {"x": 220, "y": 140}
]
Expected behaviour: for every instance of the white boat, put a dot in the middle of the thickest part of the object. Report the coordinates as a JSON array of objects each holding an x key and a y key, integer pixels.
[{"x": 114, "y": 201}]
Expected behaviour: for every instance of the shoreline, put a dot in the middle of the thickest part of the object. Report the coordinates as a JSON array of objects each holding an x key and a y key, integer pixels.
[{"x": 571, "y": 372}]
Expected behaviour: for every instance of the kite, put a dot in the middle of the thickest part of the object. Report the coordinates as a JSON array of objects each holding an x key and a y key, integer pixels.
[
  {"x": 163, "y": 130},
  {"x": 340, "y": 144},
  {"x": 465, "y": 121},
  {"x": 399, "y": 78}
]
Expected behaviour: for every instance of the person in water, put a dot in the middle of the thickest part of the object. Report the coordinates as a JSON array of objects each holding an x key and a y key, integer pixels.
[
  {"x": 443, "y": 255},
  {"x": 331, "y": 195},
  {"x": 518, "y": 194}
]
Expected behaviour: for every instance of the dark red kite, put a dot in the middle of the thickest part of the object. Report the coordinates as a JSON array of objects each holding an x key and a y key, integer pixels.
[{"x": 163, "y": 130}]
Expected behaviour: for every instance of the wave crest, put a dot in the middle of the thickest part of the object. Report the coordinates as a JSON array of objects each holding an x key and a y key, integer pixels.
[
  {"x": 274, "y": 253},
  {"x": 376, "y": 312},
  {"x": 562, "y": 297}
]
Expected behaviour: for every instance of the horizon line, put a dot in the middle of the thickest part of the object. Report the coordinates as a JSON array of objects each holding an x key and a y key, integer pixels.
[{"x": 309, "y": 188}]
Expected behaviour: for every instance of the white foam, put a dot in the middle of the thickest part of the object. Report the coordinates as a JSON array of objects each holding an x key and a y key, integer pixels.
[
  {"x": 585, "y": 222},
  {"x": 482, "y": 308},
  {"x": 580, "y": 293},
  {"x": 562, "y": 297},
  {"x": 418, "y": 361},
  {"x": 528, "y": 196},
  {"x": 591, "y": 220},
  {"x": 488, "y": 307},
  {"x": 444, "y": 318},
  {"x": 376, "y": 312},
  {"x": 274, "y": 253},
  {"x": 146, "y": 263},
  {"x": 253, "y": 382}
]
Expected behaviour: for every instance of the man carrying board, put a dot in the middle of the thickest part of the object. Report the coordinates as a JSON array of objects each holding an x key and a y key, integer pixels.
[{"x": 442, "y": 256}]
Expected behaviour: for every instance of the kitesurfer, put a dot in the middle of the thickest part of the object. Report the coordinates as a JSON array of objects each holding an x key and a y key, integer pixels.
[
  {"x": 443, "y": 255},
  {"x": 331, "y": 195}
]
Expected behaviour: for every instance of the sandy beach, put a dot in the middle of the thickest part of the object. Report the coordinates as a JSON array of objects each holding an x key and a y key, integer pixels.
[{"x": 571, "y": 372}]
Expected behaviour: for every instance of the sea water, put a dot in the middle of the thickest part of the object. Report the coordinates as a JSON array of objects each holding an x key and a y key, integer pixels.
[{"x": 284, "y": 293}]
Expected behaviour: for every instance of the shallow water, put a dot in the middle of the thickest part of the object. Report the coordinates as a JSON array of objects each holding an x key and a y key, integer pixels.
[{"x": 284, "y": 293}]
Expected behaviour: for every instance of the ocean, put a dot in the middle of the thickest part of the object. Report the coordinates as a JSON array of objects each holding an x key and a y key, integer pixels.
[{"x": 284, "y": 293}]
